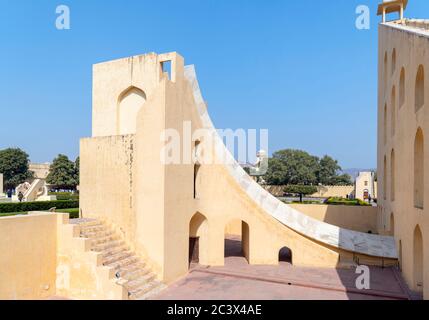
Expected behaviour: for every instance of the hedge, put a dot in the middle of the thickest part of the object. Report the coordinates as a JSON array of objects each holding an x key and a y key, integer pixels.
[
  {"x": 65, "y": 195},
  {"x": 346, "y": 202},
  {"x": 37, "y": 206}
]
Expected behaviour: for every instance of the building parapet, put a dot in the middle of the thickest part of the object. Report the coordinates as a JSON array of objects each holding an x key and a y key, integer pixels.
[{"x": 417, "y": 26}]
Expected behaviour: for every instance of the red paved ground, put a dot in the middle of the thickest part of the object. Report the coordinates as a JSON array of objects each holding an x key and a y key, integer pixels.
[{"x": 238, "y": 280}]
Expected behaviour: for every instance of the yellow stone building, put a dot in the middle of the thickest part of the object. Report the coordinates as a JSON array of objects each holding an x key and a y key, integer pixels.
[{"x": 403, "y": 126}]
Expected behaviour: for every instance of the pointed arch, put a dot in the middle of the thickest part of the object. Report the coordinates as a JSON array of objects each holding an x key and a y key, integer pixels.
[
  {"x": 392, "y": 175},
  {"x": 385, "y": 124},
  {"x": 385, "y": 178},
  {"x": 198, "y": 239},
  {"x": 402, "y": 88},
  {"x": 393, "y": 68},
  {"x": 130, "y": 101},
  {"x": 419, "y": 171},
  {"x": 420, "y": 88},
  {"x": 392, "y": 224},
  {"x": 393, "y": 111},
  {"x": 385, "y": 71},
  {"x": 418, "y": 259}
]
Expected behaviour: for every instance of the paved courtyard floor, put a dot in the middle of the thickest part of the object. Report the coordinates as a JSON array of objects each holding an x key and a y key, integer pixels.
[{"x": 238, "y": 280}]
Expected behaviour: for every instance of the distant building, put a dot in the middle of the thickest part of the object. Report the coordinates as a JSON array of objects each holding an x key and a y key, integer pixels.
[{"x": 365, "y": 186}]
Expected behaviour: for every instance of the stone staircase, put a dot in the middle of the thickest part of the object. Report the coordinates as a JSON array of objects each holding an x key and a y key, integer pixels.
[{"x": 130, "y": 271}]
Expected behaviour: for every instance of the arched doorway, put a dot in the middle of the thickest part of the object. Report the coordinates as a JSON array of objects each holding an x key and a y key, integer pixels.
[
  {"x": 418, "y": 260},
  {"x": 237, "y": 240},
  {"x": 285, "y": 256},
  {"x": 129, "y": 104},
  {"x": 419, "y": 170},
  {"x": 198, "y": 240},
  {"x": 400, "y": 255}
]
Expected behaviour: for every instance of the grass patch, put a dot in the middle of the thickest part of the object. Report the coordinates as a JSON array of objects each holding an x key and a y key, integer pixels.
[
  {"x": 74, "y": 213},
  {"x": 346, "y": 202}
]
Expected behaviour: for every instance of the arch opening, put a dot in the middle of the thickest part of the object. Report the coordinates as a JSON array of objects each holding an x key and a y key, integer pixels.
[
  {"x": 385, "y": 71},
  {"x": 393, "y": 68},
  {"x": 420, "y": 89},
  {"x": 419, "y": 170},
  {"x": 385, "y": 178},
  {"x": 392, "y": 175},
  {"x": 385, "y": 125},
  {"x": 198, "y": 240},
  {"x": 418, "y": 260},
  {"x": 402, "y": 88},
  {"x": 400, "y": 255},
  {"x": 393, "y": 111},
  {"x": 285, "y": 256},
  {"x": 392, "y": 224},
  {"x": 129, "y": 104},
  {"x": 237, "y": 240}
]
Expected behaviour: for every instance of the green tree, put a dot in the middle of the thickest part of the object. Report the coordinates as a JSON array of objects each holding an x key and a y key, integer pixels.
[
  {"x": 77, "y": 169},
  {"x": 341, "y": 180},
  {"x": 300, "y": 190},
  {"x": 292, "y": 167},
  {"x": 328, "y": 173},
  {"x": 328, "y": 169},
  {"x": 14, "y": 164},
  {"x": 62, "y": 173},
  {"x": 296, "y": 167}
]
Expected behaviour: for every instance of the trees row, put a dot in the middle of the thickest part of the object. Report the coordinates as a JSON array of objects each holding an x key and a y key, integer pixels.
[
  {"x": 296, "y": 167},
  {"x": 15, "y": 167}
]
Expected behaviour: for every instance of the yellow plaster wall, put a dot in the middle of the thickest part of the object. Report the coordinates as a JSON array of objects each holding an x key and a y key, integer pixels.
[
  {"x": 411, "y": 51},
  {"x": 359, "y": 218},
  {"x": 106, "y": 183},
  {"x": 28, "y": 256}
]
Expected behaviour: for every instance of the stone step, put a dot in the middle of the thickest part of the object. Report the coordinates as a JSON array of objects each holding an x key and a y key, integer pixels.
[
  {"x": 114, "y": 250},
  {"x": 125, "y": 271},
  {"x": 139, "y": 282},
  {"x": 135, "y": 294},
  {"x": 91, "y": 229},
  {"x": 123, "y": 263},
  {"x": 86, "y": 222},
  {"x": 104, "y": 240},
  {"x": 110, "y": 259},
  {"x": 130, "y": 272},
  {"x": 145, "y": 291},
  {"x": 135, "y": 274},
  {"x": 97, "y": 234},
  {"x": 108, "y": 245},
  {"x": 153, "y": 292}
]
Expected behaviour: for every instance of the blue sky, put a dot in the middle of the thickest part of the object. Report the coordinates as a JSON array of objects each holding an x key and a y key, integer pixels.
[{"x": 305, "y": 73}]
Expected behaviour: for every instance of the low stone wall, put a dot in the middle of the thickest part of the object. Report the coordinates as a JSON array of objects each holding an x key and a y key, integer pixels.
[
  {"x": 358, "y": 218},
  {"x": 323, "y": 191},
  {"x": 28, "y": 256}
]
